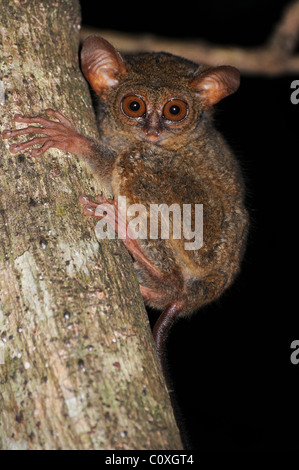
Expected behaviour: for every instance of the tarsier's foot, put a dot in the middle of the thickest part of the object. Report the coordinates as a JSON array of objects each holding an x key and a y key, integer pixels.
[
  {"x": 108, "y": 208},
  {"x": 90, "y": 207},
  {"x": 60, "y": 134}
]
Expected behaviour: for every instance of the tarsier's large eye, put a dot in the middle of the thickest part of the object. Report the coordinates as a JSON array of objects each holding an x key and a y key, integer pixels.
[
  {"x": 175, "y": 110},
  {"x": 133, "y": 106}
]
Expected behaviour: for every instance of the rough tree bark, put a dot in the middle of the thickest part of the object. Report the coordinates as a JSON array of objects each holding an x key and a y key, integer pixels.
[{"x": 79, "y": 368}]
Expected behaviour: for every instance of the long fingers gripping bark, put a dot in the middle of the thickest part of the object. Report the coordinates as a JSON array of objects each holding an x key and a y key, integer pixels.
[{"x": 59, "y": 134}]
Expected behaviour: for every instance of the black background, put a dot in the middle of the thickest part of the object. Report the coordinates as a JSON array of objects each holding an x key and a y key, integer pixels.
[{"x": 231, "y": 361}]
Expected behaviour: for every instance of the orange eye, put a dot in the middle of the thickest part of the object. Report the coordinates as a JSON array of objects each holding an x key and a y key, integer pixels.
[
  {"x": 175, "y": 110},
  {"x": 133, "y": 106}
]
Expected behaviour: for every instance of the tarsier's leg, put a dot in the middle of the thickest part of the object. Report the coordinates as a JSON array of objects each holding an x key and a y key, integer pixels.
[
  {"x": 167, "y": 318},
  {"x": 113, "y": 218}
]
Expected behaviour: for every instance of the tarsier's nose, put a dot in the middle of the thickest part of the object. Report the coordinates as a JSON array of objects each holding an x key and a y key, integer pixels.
[
  {"x": 152, "y": 128},
  {"x": 153, "y": 131}
]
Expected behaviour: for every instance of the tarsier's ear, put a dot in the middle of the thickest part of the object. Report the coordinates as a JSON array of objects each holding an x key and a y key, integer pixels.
[
  {"x": 101, "y": 64},
  {"x": 214, "y": 84}
]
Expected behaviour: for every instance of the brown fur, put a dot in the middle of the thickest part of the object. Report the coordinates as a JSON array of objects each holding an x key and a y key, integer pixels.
[
  {"x": 193, "y": 165},
  {"x": 154, "y": 159}
]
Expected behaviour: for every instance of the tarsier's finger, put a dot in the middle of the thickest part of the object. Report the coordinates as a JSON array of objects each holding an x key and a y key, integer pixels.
[
  {"x": 60, "y": 117},
  {"x": 15, "y": 148},
  {"x": 8, "y": 134},
  {"x": 48, "y": 144},
  {"x": 36, "y": 120}
]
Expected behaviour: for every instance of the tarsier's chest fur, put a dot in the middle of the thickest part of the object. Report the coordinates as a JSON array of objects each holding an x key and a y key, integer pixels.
[{"x": 147, "y": 176}]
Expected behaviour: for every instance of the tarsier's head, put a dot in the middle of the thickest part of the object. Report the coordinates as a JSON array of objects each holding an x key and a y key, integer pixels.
[{"x": 154, "y": 97}]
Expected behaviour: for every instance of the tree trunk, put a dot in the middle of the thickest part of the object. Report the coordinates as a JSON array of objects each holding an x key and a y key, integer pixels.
[{"x": 79, "y": 368}]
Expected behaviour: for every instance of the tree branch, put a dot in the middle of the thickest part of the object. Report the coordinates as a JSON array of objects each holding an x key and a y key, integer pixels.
[{"x": 274, "y": 58}]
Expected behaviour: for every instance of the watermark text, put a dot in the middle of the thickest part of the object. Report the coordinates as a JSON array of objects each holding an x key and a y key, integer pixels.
[{"x": 137, "y": 221}]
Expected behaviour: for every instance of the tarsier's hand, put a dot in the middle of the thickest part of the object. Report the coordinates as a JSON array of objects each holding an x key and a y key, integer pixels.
[{"x": 60, "y": 134}]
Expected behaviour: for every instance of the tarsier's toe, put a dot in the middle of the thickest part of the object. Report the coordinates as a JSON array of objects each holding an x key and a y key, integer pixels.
[
  {"x": 89, "y": 211},
  {"x": 86, "y": 201},
  {"x": 98, "y": 209},
  {"x": 101, "y": 199},
  {"x": 89, "y": 206}
]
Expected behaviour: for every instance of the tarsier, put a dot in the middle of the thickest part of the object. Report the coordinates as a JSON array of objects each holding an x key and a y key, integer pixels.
[{"x": 157, "y": 145}]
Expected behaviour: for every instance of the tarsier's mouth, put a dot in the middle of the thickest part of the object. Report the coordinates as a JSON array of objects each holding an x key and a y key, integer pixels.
[{"x": 153, "y": 139}]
